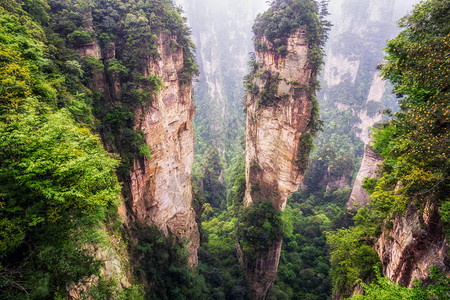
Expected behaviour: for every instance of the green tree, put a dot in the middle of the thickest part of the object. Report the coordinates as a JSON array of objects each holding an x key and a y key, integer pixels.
[
  {"x": 57, "y": 184},
  {"x": 384, "y": 289},
  {"x": 415, "y": 142}
]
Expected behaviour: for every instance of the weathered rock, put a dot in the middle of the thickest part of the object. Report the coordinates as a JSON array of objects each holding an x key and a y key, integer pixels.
[
  {"x": 222, "y": 33},
  {"x": 273, "y": 143},
  {"x": 337, "y": 183},
  {"x": 274, "y": 131},
  {"x": 160, "y": 187},
  {"x": 369, "y": 166},
  {"x": 353, "y": 53},
  {"x": 414, "y": 244},
  {"x": 261, "y": 273},
  {"x": 160, "y": 191}
]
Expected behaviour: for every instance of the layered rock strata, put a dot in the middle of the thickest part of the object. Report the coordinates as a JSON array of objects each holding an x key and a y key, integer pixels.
[
  {"x": 273, "y": 140},
  {"x": 160, "y": 187}
]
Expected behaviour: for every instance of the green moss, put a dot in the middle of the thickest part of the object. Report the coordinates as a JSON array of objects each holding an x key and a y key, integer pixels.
[{"x": 268, "y": 95}]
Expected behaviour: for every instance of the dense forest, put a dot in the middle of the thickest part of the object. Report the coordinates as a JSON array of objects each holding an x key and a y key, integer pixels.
[{"x": 74, "y": 74}]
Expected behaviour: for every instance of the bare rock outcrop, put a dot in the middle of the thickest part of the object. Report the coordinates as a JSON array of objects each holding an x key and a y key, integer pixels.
[
  {"x": 160, "y": 187},
  {"x": 274, "y": 130},
  {"x": 414, "y": 244},
  {"x": 273, "y": 141},
  {"x": 369, "y": 166}
]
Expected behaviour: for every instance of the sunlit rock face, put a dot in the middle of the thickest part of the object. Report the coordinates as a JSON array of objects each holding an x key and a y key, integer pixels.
[
  {"x": 160, "y": 187},
  {"x": 273, "y": 143}
]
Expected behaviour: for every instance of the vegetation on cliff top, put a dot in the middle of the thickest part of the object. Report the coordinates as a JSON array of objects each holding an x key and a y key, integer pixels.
[
  {"x": 282, "y": 19},
  {"x": 287, "y": 16},
  {"x": 128, "y": 33},
  {"x": 259, "y": 226}
]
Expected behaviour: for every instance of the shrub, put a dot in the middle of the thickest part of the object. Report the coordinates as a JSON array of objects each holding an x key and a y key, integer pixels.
[
  {"x": 260, "y": 225},
  {"x": 79, "y": 38}
]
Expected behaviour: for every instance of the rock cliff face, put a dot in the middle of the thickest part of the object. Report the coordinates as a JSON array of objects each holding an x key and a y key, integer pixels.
[
  {"x": 369, "y": 166},
  {"x": 273, "y": 141},
  {"x": 360, "y": 31},
  {"x": 261, "y": 273},
  {"x": 414, "y": 244},
  {"x": 353, "y": 93},
  {"x": 159, "y": 189},
  {"x": 161, "y": 186},
  {"x": 274, "y": 130},
  {"x": 361, "y": 28},
  {"x": 222, "y": 33}
]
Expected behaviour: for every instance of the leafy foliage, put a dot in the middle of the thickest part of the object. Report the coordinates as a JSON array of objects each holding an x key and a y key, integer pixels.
[
  {"x": 306, "y": 144},
  {"x": 206, "y": 175},
  {"x": 415, "y": 142},
  {"x": 162, "y": 262},
  {"x": 384, "y": 289},
  {"x": 259, "y": 226},
  {"x": 286, "y": 16},
  {"x": 352, "y": 256},
  {"x": 268, "y": 94},
  {"x": 58, "y": 187},
  {"x": 218, "y": 262},
  {"x": 56, "y": 181}
]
